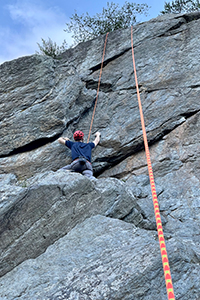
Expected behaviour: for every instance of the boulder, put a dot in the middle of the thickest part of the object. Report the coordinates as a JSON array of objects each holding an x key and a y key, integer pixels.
[
  {"x": 46, "y": 207},
  {"x": 103, "y": 258}
]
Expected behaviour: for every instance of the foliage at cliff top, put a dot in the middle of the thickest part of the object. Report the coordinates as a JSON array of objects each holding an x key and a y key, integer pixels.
[
  {"x": 181, "y": 6},
  {"x": 111, "y": 18},
  {"x": 86, "y": 27}
]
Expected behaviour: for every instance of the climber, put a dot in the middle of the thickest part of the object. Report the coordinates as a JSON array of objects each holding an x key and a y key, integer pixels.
[{"x": 80, "y": 152}]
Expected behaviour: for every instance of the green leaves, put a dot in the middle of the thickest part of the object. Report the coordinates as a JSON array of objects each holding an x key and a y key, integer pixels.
[
  {"x": 85, "y": 27},
  {"x": 50, "y": 48},
  {"x": 112, "y": 17},
  {"x": 181, "y": 6}
]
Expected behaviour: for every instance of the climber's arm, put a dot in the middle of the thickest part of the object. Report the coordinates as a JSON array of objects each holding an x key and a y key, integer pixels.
[{"x": 62, "y": 140}]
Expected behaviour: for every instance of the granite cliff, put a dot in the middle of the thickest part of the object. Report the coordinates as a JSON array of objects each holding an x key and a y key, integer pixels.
[{"x": 64, "y": 236}]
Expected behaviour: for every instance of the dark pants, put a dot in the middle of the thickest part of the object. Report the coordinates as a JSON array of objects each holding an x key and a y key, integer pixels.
[{"x": 76, "y": 166}]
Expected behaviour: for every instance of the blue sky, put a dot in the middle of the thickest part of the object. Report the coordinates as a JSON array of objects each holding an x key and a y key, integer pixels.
[{"x": 24, "y": 22}]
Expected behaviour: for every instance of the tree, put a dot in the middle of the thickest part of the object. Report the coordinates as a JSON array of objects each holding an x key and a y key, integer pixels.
[
  {"x": 112, "y": 17},
  {"x": 181, "y": 6},
  {"x": 85, "y": 27},
  {"x": 50, "y": 48}
]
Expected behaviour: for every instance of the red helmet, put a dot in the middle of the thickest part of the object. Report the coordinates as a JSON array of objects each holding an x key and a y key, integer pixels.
[{"x": 78, "y": 135}]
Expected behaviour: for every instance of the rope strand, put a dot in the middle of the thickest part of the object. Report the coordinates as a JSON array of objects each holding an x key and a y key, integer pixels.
[
  {"x": 163, "y": 250},
  {"x": 104, "y": 50}
]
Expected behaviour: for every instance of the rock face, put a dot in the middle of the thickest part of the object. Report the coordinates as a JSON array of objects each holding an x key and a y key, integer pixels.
[
  {"x": 98, "y": 260},
  {"x": 51, "y": 206},
  {"x": 64, "y": 236}
]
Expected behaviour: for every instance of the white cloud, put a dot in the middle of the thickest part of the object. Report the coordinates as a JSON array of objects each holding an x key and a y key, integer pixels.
[{"x": 32, "y": 21}]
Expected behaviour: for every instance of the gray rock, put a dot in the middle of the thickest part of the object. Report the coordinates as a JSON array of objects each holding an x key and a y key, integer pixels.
[
  {"x": 7, "y": 179},
  {"x": 9, "y": 192},
  {"x": 32, "y": 218},
  {"x": 175, "y": 161},
  {"x": 102, "y": 258}
]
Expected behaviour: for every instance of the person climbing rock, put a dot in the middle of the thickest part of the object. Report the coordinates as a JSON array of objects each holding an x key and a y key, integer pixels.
[{"x": 81, "y": 153}]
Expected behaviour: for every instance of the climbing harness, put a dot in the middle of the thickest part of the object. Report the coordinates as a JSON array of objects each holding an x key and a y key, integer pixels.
[
  {"x": 79, "y": 164},
  {"x": 163, "y": 250},
  {"x": 104, "y": 50}
]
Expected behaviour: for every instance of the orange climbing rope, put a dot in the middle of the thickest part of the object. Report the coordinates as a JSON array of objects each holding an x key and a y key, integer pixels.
[
  {"x": 165, "y": 262},
  {"x": 104, "y": 50}
]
